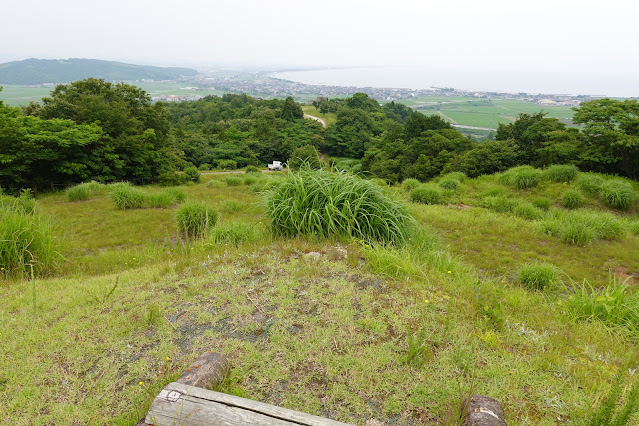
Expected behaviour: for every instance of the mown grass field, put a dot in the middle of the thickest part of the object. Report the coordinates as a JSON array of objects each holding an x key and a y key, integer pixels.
[
  {"x": 483, "y": 113},
  {"x": 351, "y": 332}
]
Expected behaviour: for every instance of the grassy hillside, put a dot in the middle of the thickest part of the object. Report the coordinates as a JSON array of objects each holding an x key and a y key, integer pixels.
[
  {"x": 39, "y": 71},
  {"x": 329, "y": 326}
]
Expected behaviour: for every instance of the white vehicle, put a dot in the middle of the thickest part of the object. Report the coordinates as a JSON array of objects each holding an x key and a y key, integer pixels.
[{"x": 276, "y": 165}]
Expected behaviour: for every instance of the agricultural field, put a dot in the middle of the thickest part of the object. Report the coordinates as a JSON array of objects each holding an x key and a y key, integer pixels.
[
  {"x": 521, "y": 286},
  {"x": 483, "y": 113}
]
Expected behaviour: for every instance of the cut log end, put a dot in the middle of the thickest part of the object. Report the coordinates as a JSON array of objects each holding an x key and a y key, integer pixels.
[
  {"x": 484, "y": 411},
  {"x": 207, "y": 372}
]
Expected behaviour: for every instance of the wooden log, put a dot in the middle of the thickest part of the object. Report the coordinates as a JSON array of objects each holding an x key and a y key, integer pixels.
[
  {"x": 182, "y": 404},
  {"x": 484, "y": 411},
  {"x": 207, "y": 372}
]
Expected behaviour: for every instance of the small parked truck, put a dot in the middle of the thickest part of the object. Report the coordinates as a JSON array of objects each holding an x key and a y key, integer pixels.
[{"x": 276, "y": 165}]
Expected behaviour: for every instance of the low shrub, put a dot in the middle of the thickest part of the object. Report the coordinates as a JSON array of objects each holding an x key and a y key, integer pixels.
[
  {"x": 227, "y": 164},
  {"x": 617, "y": 194},
  {"x": 27, "y": 241},
  {"x": 323, "y": 203},
  {"x": 84, "y": 191},
  {"x": 410, "y": 184},
  {"x": 561, "y": 173},
  {"x": 252, "y": 169},
  {"x": 204, "y": 167},
  {"x": 579, "y": 227},
  {"x": 590, "y": 184},
  {"x": 539, "y": 276},
  {"x": 171, "y": 179},
  {"x": 233, "y": 180},
  {"x": 427, "y": 194},
  {"x": 527, "y": 211},
  {"x": 192, "y": 174},
  {"x": 542, "y": 203},
  {"x": 235, "y": 233},
  {"x": 572, "y": 199},
  {"x": 125, "y": 196},
  {"x": 195, "y": 219}
]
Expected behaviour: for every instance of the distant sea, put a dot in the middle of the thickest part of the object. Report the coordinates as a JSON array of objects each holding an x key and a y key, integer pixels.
[{"x": 582, "y": 83}]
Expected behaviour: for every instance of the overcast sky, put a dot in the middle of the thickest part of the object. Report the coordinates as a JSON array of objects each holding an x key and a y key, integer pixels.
[{"x": 558, "y": 35}]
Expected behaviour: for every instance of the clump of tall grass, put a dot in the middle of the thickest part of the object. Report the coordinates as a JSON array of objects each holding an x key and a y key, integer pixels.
[
  {"x": 192, "y": 174},
  {"x": 458, "y": 176},
  {"x": 527, "y": 211},
  {"x": 24, "y": 204},
  {"x": 165, "y": 199},
  {"x": 84, "y": 191},
  {"x": 572, "y": 199},
  {"x": 125, "y": 196},
  {"x": 213, "y": 183},
  {"x": 561, "y": 172},
  {"x": 539, "y": 276},
  {"x": 617, "y": 194},
  {"x": 27, "y": 244},
  {"x": 448, "y": 183},
  {"x": 634, "y": 228},
  {"x": 252, "y": 170},
  {"x": 522, "y": 177},
  {"x": 427, "y": 194},
  {"x": 410, "y": 184},
  {"x": 232, "y": 206},
  {"x": 234, "y": 233},
  {"x": 233, "y": 180},
  {"x": 581, "y": 226},
  {"x": 499, "y": 204},
  {"x": 614, "y": 305},
  {"x": 323, "y": 203},
  {"x": 251, "y": 179},
  {"x": 590, "y": 184},
  {"x": 542, "y": 203},
  {"x": 195, "y": 219}
]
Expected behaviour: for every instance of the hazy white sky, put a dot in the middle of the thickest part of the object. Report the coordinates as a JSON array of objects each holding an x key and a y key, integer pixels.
[{"x": 543, "y": 35}]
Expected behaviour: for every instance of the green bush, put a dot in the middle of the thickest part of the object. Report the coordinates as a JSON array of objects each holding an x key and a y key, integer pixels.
[
  {"x": 323, "y": 203},
  {"x": 572, "y": 199},
  {"x": 379, "y": 182},
  {"x": 539, "y": 276},
  {"x": 252, "y": 169},
  {"x": 427, "y": 194},
  {"x": 235, "y": 233},
  {"x": 579, "y": 227},
  {"x": 204, "y": 167},
  {"x": 124, "y": 196},
  {"x": 542, "y": 203},
  {"x": 527, "y": 211},
  {"x": 84, "y": 191},
  {"x": 195, "y": 219},
  {"x": 227, "y": 164},
  {"x": 192, "y": 174},
  {"x": 590, "y": 184},
  {"x": 561, "y": 173},
  {"x": 617, "y": 194},
  {"x": 171, "y": 179},
  {"x": 233, "y": 180},
  {"x": 305, "y": 156},
  {"x": 410, "y": 184},
  {"x": 458, "y": 176},
  {"x": 26, "y": 241}
]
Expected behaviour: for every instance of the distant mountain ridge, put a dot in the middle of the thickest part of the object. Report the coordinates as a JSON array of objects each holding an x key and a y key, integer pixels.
[{"x": 40, "y": 71}]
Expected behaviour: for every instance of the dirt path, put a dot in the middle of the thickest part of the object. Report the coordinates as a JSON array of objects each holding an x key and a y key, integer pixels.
[{"x": 312, "y": 117}]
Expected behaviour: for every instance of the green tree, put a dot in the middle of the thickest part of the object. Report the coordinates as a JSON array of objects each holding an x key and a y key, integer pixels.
[{"x": 306, "y": 155}]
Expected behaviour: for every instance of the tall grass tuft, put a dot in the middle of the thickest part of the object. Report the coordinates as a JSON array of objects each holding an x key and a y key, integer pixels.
[
  {"x": 233, "y": 180},
  {"x": 215, "y": 184},
  {"x": 410, "y": 184},
  {"x": 25, "y": 204},
  {"x": 579, "y": 227},
  {"x": 528, "y": 211},
  {"x": 572, "y": 199},
  {"x": 522, "y": 177},
  {"x": 539, "y": 276},
  {"x": 27, "y": 241},
  {"x": 458, "y": 176},
  {"x": 561, "y": 172},
  {"x": 253, "y": 170},
  {"x": 427, "y": 194},
  {"x": 195, "y": 219},
  {"x": 84, "y": 191},
  {"x": 614, "y": 305},
  {"x": 590, "y": 184},
  {"x": 499, "y": 204},
  {"x": 617, "y": 194},
  {"x": 234, "y": 233},
  {"x": 449, "y": 183},
  {"x": 125, "y": 196},
  {"x": 323, "y": 203},
  {"x": 165, "y": 199},
  {"x": 634, "y": 228},
  {"x": 542, "y": 203}
]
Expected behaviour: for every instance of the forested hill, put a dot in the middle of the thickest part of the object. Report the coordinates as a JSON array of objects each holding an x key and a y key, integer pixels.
[{"x": 39, "y": 71}]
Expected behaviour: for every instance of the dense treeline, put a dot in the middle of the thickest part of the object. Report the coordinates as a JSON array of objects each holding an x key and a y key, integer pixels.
[{"x": 92, "y": 129}]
